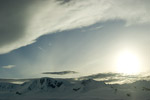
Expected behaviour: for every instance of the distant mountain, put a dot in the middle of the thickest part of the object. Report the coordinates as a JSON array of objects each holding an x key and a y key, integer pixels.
[
  {"x": 69, "y": 89},
  {"x": 7, "y": 86}
]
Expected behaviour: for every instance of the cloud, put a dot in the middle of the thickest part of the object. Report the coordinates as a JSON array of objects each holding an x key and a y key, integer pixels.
[
  {"x": 8, "y": 66},
  {"x": 61, "y": 72},
  {"x": 115, "y": 77},
  {"x": 102, "y": 75},
  {"x": 40, "y": 48},
  {"x": 23, "y": 21},
  {"x": 15, "y": 81}
]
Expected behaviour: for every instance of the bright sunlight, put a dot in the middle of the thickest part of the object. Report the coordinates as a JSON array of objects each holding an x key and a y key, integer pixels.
[{"x": 128, "y": 63}]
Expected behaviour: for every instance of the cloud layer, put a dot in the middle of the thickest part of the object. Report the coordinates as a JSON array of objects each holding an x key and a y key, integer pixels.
[
  {"x": 8, "y": 66},
  {"x": 116, "y": 77},
  {"x": 61, "y": 72},
  {"x": 22, "y": 21}
]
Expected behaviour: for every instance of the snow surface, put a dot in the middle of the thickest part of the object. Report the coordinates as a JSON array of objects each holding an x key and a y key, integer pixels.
[{"x": 69, "y": 89}]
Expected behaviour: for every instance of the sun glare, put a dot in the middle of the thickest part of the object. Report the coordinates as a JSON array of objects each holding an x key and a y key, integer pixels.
[{"x": 128, "y": 63}]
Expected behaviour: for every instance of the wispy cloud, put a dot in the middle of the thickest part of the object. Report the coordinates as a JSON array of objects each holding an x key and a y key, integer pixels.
[
  {"x": 57, "y": 15},
  {"x": 115, "y": 77},
  {"x": 40, "y": 48},
  {"x": 61, "y": 72},
  {"x": 102, "y": 75},
  {"x": 8, "y": 66}
]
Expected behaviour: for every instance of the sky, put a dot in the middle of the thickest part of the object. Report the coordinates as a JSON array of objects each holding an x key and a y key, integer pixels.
[{"x": 73, "y": 38}]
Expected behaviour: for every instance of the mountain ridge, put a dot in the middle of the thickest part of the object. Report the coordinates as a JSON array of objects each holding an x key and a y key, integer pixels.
[{"x": 59, "y": 89}]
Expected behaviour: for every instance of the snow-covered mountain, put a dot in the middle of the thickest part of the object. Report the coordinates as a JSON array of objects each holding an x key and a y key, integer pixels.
[{"x": 70, "y": 89}]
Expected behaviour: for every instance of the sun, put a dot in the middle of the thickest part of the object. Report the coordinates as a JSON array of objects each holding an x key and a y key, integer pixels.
[{"x": 128, "y": 63}]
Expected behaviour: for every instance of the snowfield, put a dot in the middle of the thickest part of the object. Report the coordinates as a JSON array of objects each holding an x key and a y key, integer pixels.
[{"x": 69, "y": 89}]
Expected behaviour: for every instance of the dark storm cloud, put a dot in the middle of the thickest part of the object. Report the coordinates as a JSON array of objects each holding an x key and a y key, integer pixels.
[{"x": 61, "y": 72}]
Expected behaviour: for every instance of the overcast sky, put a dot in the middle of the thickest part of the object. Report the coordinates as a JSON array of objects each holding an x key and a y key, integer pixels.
[{"x": 85, "y": 36}]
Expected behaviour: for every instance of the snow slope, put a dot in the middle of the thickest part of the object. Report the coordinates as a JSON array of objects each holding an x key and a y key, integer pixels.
[{"x": 69, "y": 89}]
